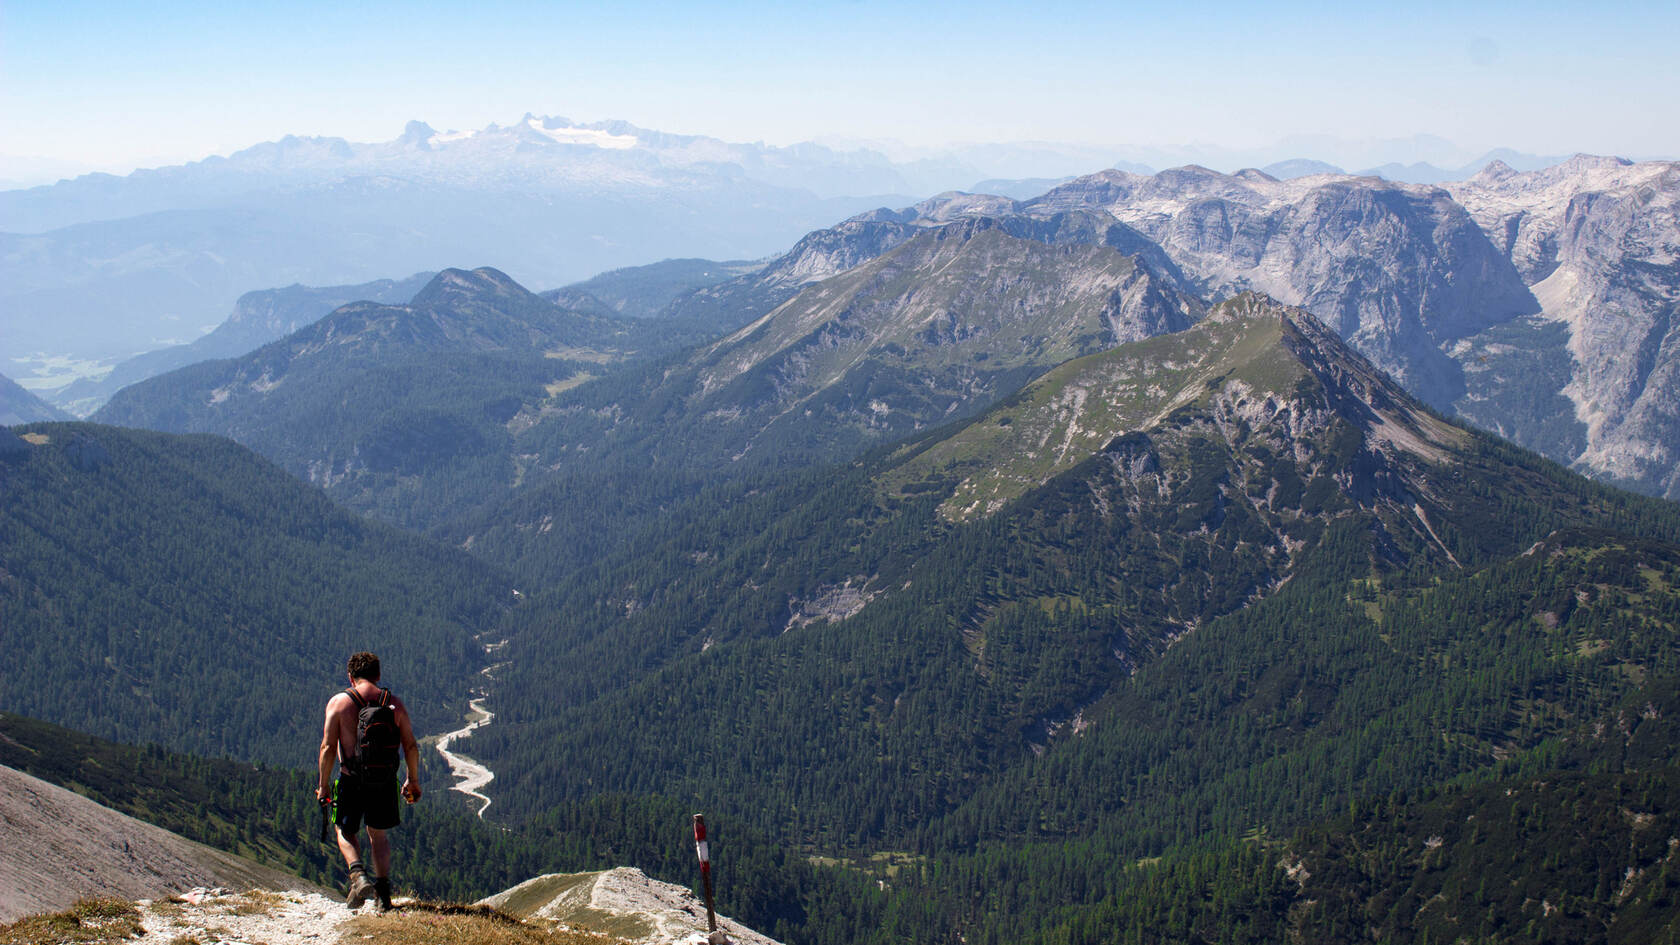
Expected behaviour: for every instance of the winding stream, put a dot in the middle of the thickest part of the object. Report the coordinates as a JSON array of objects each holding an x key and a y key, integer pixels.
[{"x": 471, "y": 776}]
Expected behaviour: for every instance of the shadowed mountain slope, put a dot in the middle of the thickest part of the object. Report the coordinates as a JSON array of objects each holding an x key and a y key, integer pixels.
[
  {"x": 148, "y": 582},
  {"x": 18, "y": 405}
]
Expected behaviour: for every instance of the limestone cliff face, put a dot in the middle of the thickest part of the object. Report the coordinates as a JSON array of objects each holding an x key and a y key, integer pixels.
[
  {"x": 1399, "y": 270},
  {"x": 1599, "y": 241}
]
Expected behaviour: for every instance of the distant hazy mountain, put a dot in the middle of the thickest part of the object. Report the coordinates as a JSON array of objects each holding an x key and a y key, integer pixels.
[
  {"x": 1423, "y": 172},
  {"x": 257, "y": 319},
  {"x": 1024, "y": 189},
  {"x": 648, "y": 291},
  {"x": 103, "y": 267},
  {"x": 18, "y": 405},
  {"x": 1300, "y": 167}
]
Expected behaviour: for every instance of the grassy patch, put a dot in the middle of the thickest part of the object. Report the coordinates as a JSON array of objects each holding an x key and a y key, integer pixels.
[
  {"x": 258, "y": 902},
  {"x": 426, "y": 923},
  {"x": 89, "y": 920},
  {"x": 576, "y": 380},
  {"x": 582, "y": 354}
]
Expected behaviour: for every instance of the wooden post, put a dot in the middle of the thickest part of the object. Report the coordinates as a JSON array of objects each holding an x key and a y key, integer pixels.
[{"x": 704, "y": 851}]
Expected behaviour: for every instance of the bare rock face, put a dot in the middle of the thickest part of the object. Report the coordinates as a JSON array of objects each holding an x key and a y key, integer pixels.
[
  {"x": 623, "y": 903},
  {"x": 1399, "y": 270},
  {"x": 1599, "y": 241}
]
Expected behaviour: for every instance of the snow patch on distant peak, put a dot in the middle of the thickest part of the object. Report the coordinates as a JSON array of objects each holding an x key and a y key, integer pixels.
[
  {"x": 447, "y": 137},
  {"x": 591, "y": 136}
]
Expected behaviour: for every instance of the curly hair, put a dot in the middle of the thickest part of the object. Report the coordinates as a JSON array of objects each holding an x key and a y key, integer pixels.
[{"x": 364, "y": 665}]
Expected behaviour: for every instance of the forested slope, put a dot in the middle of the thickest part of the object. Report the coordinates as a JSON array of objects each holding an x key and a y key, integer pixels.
[
  {"x": 184, "y": 590},
  {"x": 1273, "y": 588}
]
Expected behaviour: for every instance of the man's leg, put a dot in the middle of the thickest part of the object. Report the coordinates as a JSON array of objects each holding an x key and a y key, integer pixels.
[
  {"x": 349, "y": 845},
  {"x": 380, "y": 847},
  {"x": 350, "y": 803}
]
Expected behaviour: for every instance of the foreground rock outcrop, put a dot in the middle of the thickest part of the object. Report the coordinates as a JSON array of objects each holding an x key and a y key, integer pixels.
[{"x": 623, "y": 903}]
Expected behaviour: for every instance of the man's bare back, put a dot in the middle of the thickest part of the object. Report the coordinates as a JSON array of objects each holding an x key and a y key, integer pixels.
[{"x": 341, "y": 717}]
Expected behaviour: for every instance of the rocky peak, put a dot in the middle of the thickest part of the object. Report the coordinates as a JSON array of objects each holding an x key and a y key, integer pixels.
[
  {"x": 956, "y": 205},
  {"x": 417, "y": 135},
  {"x": 1255, "y": 379},
  {"x": 830, "y": 252},
  {"x": 1495, "y": 171}
]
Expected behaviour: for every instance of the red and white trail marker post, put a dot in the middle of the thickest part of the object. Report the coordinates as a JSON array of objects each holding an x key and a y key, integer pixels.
[{"x": 704, "y": 851}]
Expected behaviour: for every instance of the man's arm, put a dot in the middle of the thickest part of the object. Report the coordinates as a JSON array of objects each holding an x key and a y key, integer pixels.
[
  {"x": 329, "y": 752},
  {"x": 411, "y": 753}
]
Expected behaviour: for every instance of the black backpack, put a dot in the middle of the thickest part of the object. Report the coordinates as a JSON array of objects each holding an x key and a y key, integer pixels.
[{"x": 378, "y": 740}]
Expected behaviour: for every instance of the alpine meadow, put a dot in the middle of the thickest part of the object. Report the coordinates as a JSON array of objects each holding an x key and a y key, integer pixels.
[{"x": 1010, "y": 542}]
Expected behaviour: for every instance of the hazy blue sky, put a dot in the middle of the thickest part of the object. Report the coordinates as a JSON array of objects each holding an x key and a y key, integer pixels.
[{"x": 120, "y": 83}]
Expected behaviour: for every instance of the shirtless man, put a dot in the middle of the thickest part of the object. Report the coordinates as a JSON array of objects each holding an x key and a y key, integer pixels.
[{"x": 365, "y": 792}]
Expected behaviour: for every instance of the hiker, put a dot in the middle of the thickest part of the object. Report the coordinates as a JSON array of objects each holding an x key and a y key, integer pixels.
[{"x": 365, "y": 726}]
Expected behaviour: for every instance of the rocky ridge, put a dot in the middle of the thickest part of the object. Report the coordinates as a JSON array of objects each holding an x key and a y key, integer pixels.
[{"x": 936, "y": 326}]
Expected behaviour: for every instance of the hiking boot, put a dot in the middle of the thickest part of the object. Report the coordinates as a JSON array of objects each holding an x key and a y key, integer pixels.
[
  {"x": 360, "y": 890},
  {"x": 382, "y": 893}
]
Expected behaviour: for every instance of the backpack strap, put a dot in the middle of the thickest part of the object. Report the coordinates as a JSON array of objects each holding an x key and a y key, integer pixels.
[{"x": 357, "y": 698}]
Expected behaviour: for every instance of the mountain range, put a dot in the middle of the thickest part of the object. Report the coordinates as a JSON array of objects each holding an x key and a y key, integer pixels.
[
  {"x": 1417, "y": 278},
  {"x": 1531, "y": 303},
  {"x": 99, "y": 268},
  {"x": 1104, "y": 565},
  {"x": 102, "y": 268}
]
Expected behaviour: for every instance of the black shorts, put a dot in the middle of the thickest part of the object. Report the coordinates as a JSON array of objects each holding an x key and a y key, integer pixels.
[{"x": 356, "y": 801}]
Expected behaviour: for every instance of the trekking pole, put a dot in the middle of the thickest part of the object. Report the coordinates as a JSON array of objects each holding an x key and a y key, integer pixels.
[
  {"x": 713, "y": 936},
  {"x": 327, "y": 816}
]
